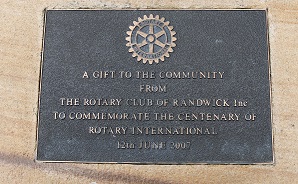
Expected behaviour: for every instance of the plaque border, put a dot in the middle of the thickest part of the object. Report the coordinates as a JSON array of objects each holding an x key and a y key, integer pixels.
[{"x": 273, "y": 162}]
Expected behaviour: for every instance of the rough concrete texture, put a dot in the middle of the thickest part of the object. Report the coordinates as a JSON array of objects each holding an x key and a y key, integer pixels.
[{"x": 20, "y": 46}]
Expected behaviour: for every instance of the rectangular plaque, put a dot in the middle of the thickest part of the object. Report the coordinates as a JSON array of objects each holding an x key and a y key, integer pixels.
[{"x": 155, "y": 86}]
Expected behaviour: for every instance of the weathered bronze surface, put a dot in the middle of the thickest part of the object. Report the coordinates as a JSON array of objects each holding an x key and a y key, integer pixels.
[{"x": 162, "y": 87}]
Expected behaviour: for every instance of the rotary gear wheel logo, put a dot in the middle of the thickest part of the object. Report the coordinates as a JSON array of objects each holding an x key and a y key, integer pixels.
[{"x": 151, "y": 39}]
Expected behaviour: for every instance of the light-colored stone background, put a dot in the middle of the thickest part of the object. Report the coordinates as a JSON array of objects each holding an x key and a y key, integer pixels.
[{"x": 21, "y": 26}]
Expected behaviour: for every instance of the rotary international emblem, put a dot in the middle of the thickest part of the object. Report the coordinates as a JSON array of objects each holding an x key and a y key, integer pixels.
[{"x": 151, "y": 39}]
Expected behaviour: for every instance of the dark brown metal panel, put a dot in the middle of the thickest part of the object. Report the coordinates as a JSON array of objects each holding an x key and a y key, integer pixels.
[{"x": 155, "y": 86}]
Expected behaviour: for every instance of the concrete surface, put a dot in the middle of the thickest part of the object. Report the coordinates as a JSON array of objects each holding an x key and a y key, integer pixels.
[{"x": 20, "y": 46}]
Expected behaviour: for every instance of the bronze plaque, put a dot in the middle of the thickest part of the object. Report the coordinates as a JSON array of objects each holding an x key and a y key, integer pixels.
[{"x": 155, "y": 86}]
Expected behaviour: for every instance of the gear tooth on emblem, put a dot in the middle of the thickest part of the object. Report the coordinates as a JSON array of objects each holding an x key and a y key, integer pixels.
[{"x": 144, "y": 39}]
